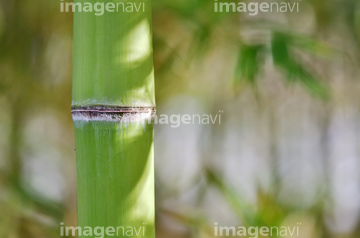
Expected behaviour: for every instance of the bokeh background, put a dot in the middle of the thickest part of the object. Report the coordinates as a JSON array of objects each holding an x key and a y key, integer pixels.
[{"x": 288, "y": 147}]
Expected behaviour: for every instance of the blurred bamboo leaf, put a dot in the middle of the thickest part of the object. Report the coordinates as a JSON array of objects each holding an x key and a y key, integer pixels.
[
  {"x": 309, "y": 44},
  {"x": 42, "y": 204},
  {"x": 294, "y": 71},
  {"x": 249, "y": 62},
  {"x": 200, "y": 42},
  {"x": 243, "y": 210}
]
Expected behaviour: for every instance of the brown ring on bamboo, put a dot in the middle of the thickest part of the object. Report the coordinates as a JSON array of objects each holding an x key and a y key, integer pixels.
[{"x": 106, "y": 113}]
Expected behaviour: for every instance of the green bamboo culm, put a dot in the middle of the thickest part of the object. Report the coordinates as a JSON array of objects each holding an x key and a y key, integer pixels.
[{"x": 113, "y": 102}]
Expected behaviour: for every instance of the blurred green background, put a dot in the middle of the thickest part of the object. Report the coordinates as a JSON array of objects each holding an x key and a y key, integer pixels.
[{"x": 288, "y": 147}]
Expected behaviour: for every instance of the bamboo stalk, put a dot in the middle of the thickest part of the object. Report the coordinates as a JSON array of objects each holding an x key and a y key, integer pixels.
[{"x": 113, "y": 97}]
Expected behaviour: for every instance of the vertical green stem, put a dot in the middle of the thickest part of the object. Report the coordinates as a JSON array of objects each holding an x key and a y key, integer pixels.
[{"x": 113, "y": 98}]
